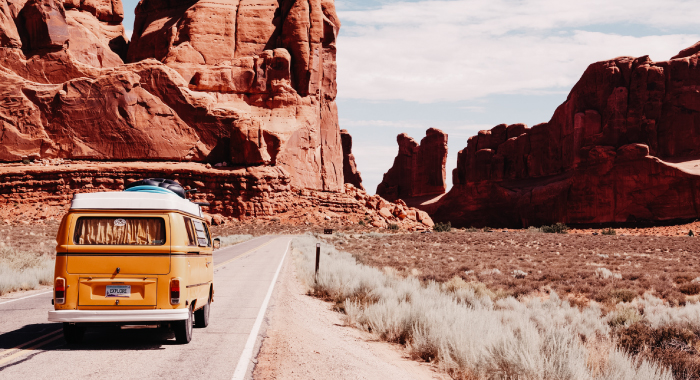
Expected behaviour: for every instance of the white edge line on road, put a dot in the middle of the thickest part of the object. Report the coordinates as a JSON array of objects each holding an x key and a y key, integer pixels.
[
  {"x": 33, "y": 295},
  {"x": 247, "y": 355}
]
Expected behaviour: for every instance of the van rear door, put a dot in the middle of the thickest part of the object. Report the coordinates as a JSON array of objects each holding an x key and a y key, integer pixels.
[{"x": 116, "y": 245}]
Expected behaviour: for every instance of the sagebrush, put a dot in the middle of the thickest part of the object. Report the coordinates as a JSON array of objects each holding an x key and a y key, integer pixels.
[
  {"x": 24, "y": 270},
  {"x": 442, "y": 227},
  {"x": 472, "y": 335},
  {"x": 234, "y": 239}
]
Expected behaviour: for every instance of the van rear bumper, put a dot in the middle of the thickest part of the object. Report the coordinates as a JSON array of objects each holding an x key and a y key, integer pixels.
[{"x": 154, "y": 315}]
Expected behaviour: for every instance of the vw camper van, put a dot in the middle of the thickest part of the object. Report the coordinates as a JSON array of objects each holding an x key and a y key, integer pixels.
[{"x": 137, "y": 257}]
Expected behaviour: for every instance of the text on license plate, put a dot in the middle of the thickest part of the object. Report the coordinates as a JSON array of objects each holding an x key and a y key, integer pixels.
[{"x": 118, "y": 291}]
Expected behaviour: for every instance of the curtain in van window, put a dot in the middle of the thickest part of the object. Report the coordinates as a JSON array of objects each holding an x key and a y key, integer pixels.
[
  {"x": 202, "y": 237},
  {"x": 120, "y": 231}
]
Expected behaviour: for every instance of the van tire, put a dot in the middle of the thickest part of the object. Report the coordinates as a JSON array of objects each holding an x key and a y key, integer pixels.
[
  {"x": 183, "y": 329},
  {"x": 201, "y": 316},
  {"x": 73, "y": 334}
]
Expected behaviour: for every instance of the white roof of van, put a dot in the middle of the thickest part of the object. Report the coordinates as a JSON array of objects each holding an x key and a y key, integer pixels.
[{"x": 126, "y": 200}]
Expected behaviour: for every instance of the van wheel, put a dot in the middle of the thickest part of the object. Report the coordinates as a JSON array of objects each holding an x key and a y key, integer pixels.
[
  {"x": 201, "y": 316},
  {"x": 73, "y": 334},
  {"x": 183, "y": 329}
]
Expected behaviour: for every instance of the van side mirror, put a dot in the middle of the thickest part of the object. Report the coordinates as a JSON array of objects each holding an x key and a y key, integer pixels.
[{"x": 217, "y": 243}]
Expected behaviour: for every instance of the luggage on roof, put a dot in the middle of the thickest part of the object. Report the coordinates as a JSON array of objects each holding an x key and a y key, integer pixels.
[{"x": 152, "y": 184}]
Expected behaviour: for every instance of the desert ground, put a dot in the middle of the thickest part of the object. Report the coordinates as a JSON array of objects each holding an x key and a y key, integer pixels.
[{"x": 617, "y": 274}]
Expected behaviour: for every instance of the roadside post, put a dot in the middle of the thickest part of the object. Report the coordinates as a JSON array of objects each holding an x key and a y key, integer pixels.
[{"x": 318, "y": 259}]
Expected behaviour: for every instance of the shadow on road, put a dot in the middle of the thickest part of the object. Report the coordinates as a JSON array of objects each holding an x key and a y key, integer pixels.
[
  {"x": 14, "y": 338},
  {"x": 115, "y": 339},
  {"x": 96, "y": 338}
]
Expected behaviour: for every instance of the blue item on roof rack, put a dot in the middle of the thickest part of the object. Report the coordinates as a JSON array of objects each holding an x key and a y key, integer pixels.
[{"x": 151, "y": 189}]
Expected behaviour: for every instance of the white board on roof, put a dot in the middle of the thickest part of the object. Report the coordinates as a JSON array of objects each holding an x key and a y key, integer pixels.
[{"x": 125, "y": 200}]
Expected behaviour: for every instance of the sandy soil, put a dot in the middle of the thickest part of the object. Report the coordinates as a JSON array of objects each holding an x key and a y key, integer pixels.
[{"x": 306, "y": 340}]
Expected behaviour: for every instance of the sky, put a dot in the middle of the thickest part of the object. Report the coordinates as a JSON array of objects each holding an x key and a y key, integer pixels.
[{"x": 466, "y": 65}]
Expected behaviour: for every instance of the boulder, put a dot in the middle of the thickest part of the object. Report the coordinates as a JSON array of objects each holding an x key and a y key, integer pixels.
[{"x": 621, "y": 148}]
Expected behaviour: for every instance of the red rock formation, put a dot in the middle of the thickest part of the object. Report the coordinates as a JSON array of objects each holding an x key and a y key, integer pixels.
[
  {"x": 47, "y": 186},
  {"x": 620, "y": 149},
  {"x": 241, "y": 82},
  {"x": 350, "y": 173},
  {"x": 419, "y": 170}
]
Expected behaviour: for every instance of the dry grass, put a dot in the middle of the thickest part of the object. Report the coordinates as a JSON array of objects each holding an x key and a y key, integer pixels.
[
  {"x": 466, "y": 329},
  {"x": 607, "y": 269},
  {"x": 229, "y": 240},
  {"x": 27, "y": 256}
]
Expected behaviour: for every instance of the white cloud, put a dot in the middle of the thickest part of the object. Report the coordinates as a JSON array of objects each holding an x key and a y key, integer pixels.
[
  {"x": 465, "y": 49},
  {"x": 382, "y": 123},
  {"x": 128, "y": 33}
]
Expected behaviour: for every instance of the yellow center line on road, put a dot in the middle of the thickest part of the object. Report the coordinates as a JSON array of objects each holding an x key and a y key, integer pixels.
[
  {"x": 243, "y": 254},
  {"x": 28, "y": 349},
  {"x": 5, "y": 352}
]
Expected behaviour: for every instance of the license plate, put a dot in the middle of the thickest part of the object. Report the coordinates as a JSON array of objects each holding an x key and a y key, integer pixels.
[{"x": 118, "y": 291}]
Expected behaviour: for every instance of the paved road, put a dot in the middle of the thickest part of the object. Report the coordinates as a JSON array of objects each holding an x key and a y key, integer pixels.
[{"x": 32, "y": 348}]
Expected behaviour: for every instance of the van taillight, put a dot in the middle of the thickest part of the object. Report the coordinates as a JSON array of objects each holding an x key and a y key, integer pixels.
[
  {"x": 59, "y": 291},
  {"x": 175, "y": 291}
]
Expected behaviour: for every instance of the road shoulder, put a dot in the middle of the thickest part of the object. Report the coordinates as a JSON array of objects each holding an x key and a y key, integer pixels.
[
  {"x": 41, "y": 289},
  {"x": 307, "y": 340}
]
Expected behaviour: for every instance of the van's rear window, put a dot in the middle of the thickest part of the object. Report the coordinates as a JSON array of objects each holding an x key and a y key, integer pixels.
[{"x": 119, "y": 231}]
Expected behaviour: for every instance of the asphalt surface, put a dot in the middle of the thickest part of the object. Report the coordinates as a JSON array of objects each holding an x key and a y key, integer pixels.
[{"x": 33, "y": 348}]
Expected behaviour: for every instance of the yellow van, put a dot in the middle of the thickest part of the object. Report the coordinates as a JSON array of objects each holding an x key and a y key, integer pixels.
[{"x": 138, "y": 257}]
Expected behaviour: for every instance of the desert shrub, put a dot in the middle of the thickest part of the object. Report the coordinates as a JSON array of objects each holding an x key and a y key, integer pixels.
[
  {"x": 442, "y": 227},
  {"x": 460, "y": 288},
  {"x": 604, "y": 274},
  {"x": 657, "y": 313},
  {"x": 690, "y": 288},
  {"x": 490, "y": 272},
  {"x": 233, "y": 239},
  {"x": 673, "y": 296},
  {"x": 21, "y": 270},
  {"x": 393, "y": 226},
  {"x": 633, "y": 276},
  {"x": 472, "y": 229},
  {"x": 487, "y": 229},
  {"x": 613, "y": 296},
  {"x": 623, "y": 295},
  {"x": 361, "y": 222},
  {"x": 683, "y": 278},
  {"x": 624, "y": 316},
  {"x": 558, "y": 228},
  {"x": 517, "y": 273},
  {"x": 608, "y": 231},
  {"x": 467, "y": 335},
  {"x": 670, "y": 345}
]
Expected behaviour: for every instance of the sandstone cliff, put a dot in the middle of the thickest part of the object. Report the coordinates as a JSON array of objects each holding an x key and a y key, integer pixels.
[
  {"x": 234, "y": 97},
  {"x": 44, "y": 189},
  {"x": 350, "y": 173},
  {"x": 622, "y": 148},
  {"x": 234, "y": 81},
  {"x": 418, "y": 170}
]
